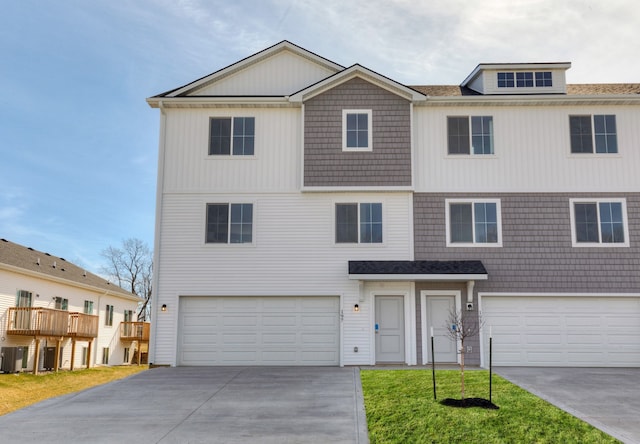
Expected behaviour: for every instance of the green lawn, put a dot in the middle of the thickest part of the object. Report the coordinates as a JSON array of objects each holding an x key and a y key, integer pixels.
[
  {"x": 400, "y": 409},
  {"x": 22, "y": 389}
]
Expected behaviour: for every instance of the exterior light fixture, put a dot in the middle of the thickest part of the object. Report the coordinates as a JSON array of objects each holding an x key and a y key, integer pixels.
[
  {"x": 164, "y": 307},
  {"x": 356, "y": 308}
]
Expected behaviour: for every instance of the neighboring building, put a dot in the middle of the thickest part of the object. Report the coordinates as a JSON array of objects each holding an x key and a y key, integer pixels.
[
  {"x": 50, "y": 307},
  {"x": 312, "y": 214}
]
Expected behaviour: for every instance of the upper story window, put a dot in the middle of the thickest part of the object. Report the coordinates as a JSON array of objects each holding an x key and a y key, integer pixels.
[
  {"x": 88, "y": 307},
  {"x": 599, "y": 223},
  {"x": 543, "y": 78},
  {"x": 525, "y": 79},
  {"x": 359, "y": 223},
  {"x": 603, "y": 135},
  {"x": 473, "y": 223},
  {"x": 229, "y": 223},
  {"x": 505, "y": 80},
  {"x": 61, "y": 303},
  {"x": 231, "y": 136},
  {"x": 356, "y": 130},
  {"x": 24, "y": 298},
  {"x": 108, "y": 315},
  {"x": 470, "y": 135}
]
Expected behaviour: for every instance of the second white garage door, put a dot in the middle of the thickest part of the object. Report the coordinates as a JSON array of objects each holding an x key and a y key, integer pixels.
[
  {"x": 259, "y": 331},
  {"x": 562, "y": 331}
]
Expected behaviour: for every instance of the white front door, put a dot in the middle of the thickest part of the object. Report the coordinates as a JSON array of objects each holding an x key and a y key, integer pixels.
[
  {"x": 389, "y": 328},
  {"x": 439, "y": 309}
]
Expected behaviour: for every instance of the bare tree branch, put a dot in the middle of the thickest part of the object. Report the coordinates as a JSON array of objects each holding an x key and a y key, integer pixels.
[{"x": 131, "y": 267}]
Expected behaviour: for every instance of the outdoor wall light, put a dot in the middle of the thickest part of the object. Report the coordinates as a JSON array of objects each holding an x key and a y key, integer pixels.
[
  {"x": 164, "y": 307},
  {"x": 356, "y": 308}
]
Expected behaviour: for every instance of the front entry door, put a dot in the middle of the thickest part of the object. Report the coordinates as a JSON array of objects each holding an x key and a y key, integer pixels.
[
  {"x": 389, "y": 328},
  {"x": 439, "y": 309}
]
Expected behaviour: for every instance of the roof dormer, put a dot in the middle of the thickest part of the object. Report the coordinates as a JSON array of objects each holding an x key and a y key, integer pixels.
[{"x": 518, "y": 78}]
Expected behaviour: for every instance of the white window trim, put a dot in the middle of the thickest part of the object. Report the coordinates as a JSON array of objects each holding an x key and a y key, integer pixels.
[
  {"x": 369, "y": 113},
  {"x": 473, "y": 244},
  {"x": 363, "y": 244},
  {"x": 471, "y": 153},
  {"x": 600, "y": 244},
  {"x": 231, "y": 155},
  {"x": 230, "y": 244},
  {"x": 593, "y": 138}
]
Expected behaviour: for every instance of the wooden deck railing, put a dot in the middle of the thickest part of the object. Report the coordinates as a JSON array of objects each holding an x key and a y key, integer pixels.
[
  {"x": 39, "y": 321},
  {"x": 134, "y": 331},
  {"x": 83, "y": 325}
]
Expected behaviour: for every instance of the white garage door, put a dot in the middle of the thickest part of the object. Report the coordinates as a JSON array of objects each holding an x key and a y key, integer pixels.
[
  {"x": 562, "y": 331},
  {"x": 258, "y": 331}
]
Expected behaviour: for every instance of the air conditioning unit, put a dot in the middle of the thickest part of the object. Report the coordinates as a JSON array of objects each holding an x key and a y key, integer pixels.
[{"x": 11, "y": 359}]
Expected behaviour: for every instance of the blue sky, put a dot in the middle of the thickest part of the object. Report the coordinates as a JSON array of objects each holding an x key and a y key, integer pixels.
[{"x": 78, "y": 143}]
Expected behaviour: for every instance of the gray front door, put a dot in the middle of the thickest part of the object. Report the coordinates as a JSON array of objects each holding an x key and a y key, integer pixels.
[
  {"x": 389, "y": 328},
  {"x": 439, "y": 309}
]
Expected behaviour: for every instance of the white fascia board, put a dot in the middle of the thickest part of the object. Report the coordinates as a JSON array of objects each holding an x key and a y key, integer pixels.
[
  {"x": 364, "y": 73},
  {"x": 533, "y": 100},
  {"x": 256, "y": 58},
  {"x": 200, "y": 102},
  {"x": 419, "y": 277}
]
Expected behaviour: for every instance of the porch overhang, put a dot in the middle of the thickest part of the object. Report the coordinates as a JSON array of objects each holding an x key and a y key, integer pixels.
[{"x": 418, "y": 271}]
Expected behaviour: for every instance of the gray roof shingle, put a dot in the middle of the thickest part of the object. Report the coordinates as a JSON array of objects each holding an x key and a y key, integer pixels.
[
  {"x": 416, "y": 267},
  {"x": 29, "y": 259}
]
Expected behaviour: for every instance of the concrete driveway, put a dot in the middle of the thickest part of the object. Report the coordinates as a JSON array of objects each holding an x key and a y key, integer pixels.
[
  {"x": 607, "y": 398},
  {"x": 203, "y": 405}
]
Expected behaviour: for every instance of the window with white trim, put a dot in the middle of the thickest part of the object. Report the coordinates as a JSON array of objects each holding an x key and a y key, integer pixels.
[
  {"x": 108, "y": 315},
  {"x": 473, "y": 222},
  {"x": 357, "y": 130},
  {"x": 525, "y": 79},
  {"x": 359, "y": 223},
  {"x": 229, "y": 223},
  {"x": 470, "y": 135},
  {"x": 61, "y": 303},
  {"x": 231, "y": 136},
  {"x": 587, "y": 131},
  {"x": 599, "y": 223}
]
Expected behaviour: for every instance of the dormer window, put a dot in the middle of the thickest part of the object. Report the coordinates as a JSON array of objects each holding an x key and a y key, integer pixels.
[{"x": 525, "y": 79}]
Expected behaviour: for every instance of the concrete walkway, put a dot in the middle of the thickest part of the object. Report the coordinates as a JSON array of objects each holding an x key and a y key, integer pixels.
[
  {"x": 607, "y": 398},
  {"x": 203, "y": 405}
]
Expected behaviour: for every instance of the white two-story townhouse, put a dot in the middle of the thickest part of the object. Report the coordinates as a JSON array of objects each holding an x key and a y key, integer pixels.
[
  {"x": 313, "y": 214},
  {"x": 56, "y": 315}
]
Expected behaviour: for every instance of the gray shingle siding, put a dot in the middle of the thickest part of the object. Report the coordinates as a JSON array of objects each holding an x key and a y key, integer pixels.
[
  {"x": 537, "y": 255},
  {"x": 325, "y": 164}
]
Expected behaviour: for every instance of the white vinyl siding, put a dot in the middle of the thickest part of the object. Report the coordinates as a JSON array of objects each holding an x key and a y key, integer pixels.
[
  {"x": 294, "y": 238},
  {"x": 562, "y": 331},
  {"x": 259, "y": 331},
  {"x": 279, "y": 75},
  {"x": 274, "y": 167},
  {"x": 533, "y": 156}
]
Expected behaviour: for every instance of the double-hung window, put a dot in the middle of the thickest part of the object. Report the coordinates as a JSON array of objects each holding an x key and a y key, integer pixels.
[
  {"x": 61, "y": 303},
  {"x": 108, "y": 316},
  {"x": 231, "y": 136},
  {"x": 470, "y": 135},
  {"x": 88, "y": 307},
  {"x": 356, "y": 130},
  {"x": 599, "y": 223},
  {"x": 359, "y": 223},
  {"x": 473, "y": 223},
  {"x": 588, "y": 131},
  {"x": 229, "y": 223}
]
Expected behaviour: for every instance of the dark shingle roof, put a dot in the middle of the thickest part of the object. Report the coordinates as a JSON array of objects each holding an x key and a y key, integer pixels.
[
  {"x": 37, "y": 261},
  {"x": 416, "y": 267},
  {"x": 586, "y": 89}
]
